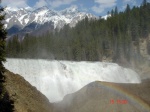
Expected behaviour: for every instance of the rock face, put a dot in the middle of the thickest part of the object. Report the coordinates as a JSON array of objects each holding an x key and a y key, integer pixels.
[
  {"x": 142, "y": 54},
  {"x": 26, "y": 97}
]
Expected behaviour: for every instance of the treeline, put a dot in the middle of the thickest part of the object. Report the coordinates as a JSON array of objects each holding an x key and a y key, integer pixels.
[{"x": 90, "y": 39}]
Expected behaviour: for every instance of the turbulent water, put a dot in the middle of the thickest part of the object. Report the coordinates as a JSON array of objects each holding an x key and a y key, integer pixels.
[{"x": 55, "y": 79}]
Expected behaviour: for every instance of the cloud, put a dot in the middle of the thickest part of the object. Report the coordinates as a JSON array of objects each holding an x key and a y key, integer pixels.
[
  {"x": 53, "y": 3},
  {"x": 102, "y": 5},
  {"x": 133, "y": 2},
  {"x": 105, "y": 1},
  {"x": 126, "y": 0},
  {"x": 40, "y": 3},
  {"x": 57, "y": 3},
  {"x": 83, "y": 8},
  {"x": 15, "y": 3}
]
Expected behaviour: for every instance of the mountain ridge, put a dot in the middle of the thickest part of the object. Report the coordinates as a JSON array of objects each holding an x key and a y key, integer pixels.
[{"x": 24, "y": 17}]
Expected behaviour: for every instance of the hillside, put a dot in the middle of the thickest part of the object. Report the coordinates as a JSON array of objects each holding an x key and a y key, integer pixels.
[{"x": 26, "y": 97}]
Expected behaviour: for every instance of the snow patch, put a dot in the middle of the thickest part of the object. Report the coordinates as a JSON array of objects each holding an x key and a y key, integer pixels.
[
  {"x": 41, "y": 13},
  {"x": 21, "y": 18},
  {"x": 106, "y": 16},
  {"x": 26, "y": 20},
  {"x": 7, "y": 20},
  {"x": 5, "y": 26}
]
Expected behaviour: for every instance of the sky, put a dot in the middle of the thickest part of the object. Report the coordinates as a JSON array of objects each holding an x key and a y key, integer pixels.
[{"x": 96, "y": 7}]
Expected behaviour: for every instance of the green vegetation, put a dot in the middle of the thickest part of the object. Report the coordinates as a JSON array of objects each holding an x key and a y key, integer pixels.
[
  {"x": 6, "y": 105},
  {"x": 90, "y": 39}
]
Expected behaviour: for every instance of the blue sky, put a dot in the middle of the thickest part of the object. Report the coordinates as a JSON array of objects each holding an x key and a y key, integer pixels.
[{"x": 96, "y": 7}]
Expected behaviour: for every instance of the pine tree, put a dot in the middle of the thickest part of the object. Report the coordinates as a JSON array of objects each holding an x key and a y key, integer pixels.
[
  {"x": 144, "y": 2},
  {"x": 5, "y": 102},
  {"x": 116, "y": 10},
  {"x": 2, "y": 43},
  {"x": 128, "y": 9}
]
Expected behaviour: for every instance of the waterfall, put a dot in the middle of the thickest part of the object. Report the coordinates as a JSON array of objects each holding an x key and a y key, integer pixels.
[{"x": 55, "y": 79}]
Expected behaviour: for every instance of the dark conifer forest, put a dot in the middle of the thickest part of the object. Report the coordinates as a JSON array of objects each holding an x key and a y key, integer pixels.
[{"x": 90, "y": 40}]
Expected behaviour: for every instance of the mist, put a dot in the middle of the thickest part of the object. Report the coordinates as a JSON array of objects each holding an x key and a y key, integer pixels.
[{"x": 55, "y": 79}]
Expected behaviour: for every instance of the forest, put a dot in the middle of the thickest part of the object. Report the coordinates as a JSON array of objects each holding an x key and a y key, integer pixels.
[{"x": 91, "y": 39}]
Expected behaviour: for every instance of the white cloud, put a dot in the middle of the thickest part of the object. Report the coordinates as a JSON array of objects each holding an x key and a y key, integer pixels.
[
  {"x": 102, "y": 5},
  {"x": 40, "y": 3},
  {"x": 126, "y": 0},
  {"x": 83, "y": 8},
  {"x": 133, "y": 2},
  {"x": 15, "y": 3},
  {"x": 97, "y": 9},
  {"x": 57, "y": 3},
  {"x": 105, "y": 1},
  {"x": 53, "y": 3}
]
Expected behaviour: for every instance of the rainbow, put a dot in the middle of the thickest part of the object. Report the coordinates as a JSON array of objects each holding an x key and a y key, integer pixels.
[{"x": 131, "y": 98}]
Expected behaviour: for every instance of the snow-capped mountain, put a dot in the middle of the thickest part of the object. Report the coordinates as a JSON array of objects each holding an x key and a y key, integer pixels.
[
  {"x": 106, "y": 16},
  {"x": 28, "y": 20}
]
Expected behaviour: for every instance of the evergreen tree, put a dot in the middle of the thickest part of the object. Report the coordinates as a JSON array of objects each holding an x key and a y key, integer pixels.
[
  {"x": 116, "y": 10},
  {"x": 144, "y": 2},
  {"x": 5, "y": 102},
  {"x": 2, "y": 43},
  {"x": 128, "y": 9}
]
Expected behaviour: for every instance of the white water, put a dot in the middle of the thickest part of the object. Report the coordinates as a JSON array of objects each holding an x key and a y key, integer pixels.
[{"x": 55, "y": 79}]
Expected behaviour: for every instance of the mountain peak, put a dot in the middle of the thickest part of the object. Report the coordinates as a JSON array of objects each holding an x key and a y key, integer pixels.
[
  {"x": 35, "y": 18},
  {"x": 11, "y": 9},
  {"x": 106, "y": 16},
  {"x": 14, "y": 9},
  {"x": 42, "y": 8},
  {"x": 72, "y": 9},
  {"x": 28, "y": 8}
]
